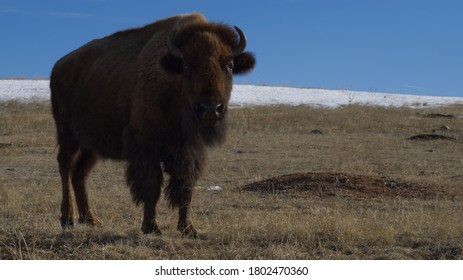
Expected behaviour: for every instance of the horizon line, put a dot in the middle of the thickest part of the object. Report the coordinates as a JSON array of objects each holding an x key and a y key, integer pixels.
[{"x": 41, "y": 78}]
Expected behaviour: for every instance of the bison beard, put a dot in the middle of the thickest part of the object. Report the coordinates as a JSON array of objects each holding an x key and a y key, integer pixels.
[{"x": 155, "y": 96}]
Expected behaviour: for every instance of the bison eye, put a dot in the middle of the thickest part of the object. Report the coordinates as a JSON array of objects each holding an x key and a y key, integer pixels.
[{"x": 230, "y": 67}]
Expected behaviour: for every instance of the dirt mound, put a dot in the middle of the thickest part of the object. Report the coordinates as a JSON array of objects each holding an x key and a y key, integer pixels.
[
  {"x": 446, "y": 116},
  {"x": 427, "y": 137},
  {"x": 340, "y": 185}
]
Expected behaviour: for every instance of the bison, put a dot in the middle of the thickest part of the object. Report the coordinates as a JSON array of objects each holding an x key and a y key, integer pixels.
[{"x": 156, "y": 97}]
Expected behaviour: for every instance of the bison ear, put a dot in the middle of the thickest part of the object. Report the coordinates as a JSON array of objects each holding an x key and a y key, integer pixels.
[
  {"x": 244, "y": 63},
  {"x": 172, "y": 64}
]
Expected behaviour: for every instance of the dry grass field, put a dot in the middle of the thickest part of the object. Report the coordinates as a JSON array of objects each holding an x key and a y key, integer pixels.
[{"x": 359, "y": 190}]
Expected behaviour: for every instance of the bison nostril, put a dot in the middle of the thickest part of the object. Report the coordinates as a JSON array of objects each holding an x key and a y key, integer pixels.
[
  {"x": 211, "y": 109},
  {"x": 219, "y": 109}
]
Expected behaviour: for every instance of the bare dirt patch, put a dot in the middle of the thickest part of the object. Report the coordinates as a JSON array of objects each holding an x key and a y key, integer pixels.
[{"x": 341, "y": 185}]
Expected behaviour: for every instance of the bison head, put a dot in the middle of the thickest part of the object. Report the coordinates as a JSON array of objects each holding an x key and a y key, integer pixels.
[{"x": 206, "y": 56}]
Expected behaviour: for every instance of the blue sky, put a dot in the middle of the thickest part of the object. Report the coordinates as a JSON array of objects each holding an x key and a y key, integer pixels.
[{"x": 400, "y": 46}]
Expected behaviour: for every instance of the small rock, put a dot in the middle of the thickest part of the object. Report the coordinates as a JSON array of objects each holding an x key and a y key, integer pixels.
[
  {"x": 316, "y": 131},
  {"x": 445, "y": 127}
]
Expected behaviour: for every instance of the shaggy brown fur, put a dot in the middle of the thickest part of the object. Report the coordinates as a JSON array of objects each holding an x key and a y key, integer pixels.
[{"x": 127, "y": 97}]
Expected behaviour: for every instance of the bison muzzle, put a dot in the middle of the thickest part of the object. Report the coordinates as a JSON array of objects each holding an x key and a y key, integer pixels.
[{"x": 154, "y": 96}]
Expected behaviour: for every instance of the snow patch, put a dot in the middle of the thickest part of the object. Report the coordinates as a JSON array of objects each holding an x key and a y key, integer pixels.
[
  {"x": 250, "y": 95},
  {"x": 24, "y": 90}
]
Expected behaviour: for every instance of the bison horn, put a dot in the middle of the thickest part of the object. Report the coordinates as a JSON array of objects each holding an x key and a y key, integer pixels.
[
  {"x": 174, "y": 50},
  {"x": 241, "y": 45}
]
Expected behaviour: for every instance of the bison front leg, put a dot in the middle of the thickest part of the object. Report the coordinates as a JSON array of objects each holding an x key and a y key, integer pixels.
[
  {"x": 145, "y": 179},
  {"x": 147, "y": 191},
  {"x": 184, "y": 172},
  {"x": 180, "y": 193},
  {"x": 144, "y": 176}
]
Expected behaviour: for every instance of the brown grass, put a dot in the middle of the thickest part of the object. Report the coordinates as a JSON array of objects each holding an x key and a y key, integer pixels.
[{"x": 263, "y": 142}]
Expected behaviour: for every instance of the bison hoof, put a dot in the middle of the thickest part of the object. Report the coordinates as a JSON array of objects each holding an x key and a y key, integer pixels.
[
  {"x": 151, "y": 229},
  {"x": 188, "y": 231},
  {"x": 68, "y": 223},
  {"x": 91, "y": 221}
]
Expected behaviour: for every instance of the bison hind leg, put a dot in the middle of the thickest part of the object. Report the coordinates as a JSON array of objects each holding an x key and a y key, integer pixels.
[
  {"x": 66, "y": 158},
  {"x": 83, "y": 165}
]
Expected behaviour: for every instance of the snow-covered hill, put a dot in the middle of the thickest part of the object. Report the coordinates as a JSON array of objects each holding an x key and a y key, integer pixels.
[{"x": 249, "y": 95}]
